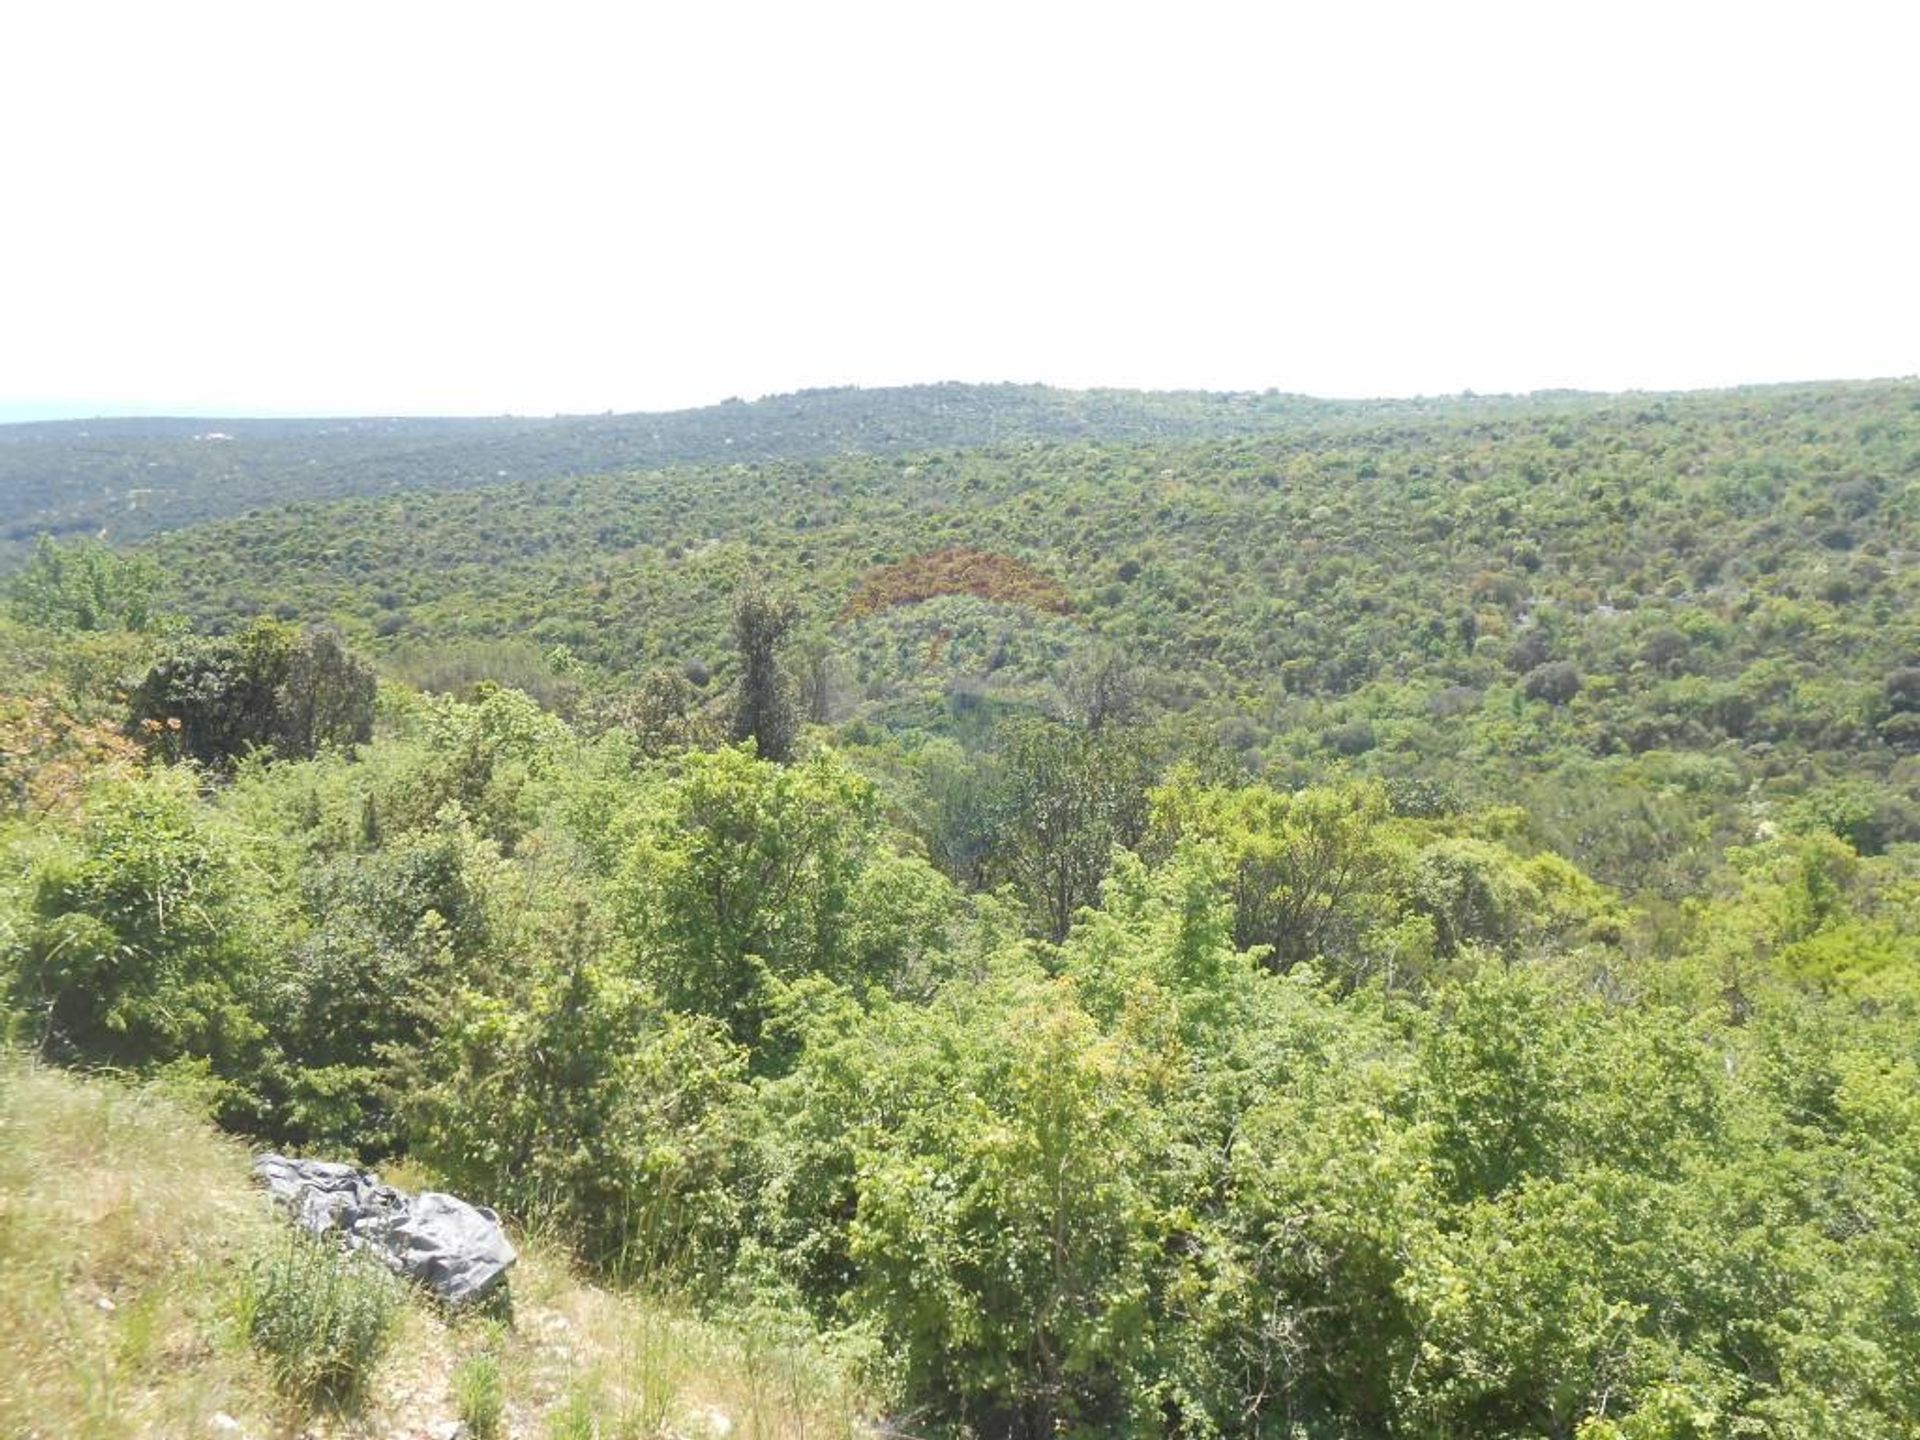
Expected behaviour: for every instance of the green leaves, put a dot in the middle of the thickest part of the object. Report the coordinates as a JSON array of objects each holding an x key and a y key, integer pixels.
[
  {"x": 1307, "y": 869},
  {"x": 84, "y": 586},
  {"x": 570, "y": 1099},
  {"x": 1006, "y": 1237},
  {"x": 741, "y": 875},
  {"x": 1066, "y": 798},
  {"x": 134, "y": 942}
]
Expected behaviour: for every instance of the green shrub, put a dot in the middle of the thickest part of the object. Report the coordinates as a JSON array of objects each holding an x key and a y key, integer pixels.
[
  {"x": 574, "y": 1420},
  {"x": 480, "y": 1395},
  {"x": 319, "y": 1318}
]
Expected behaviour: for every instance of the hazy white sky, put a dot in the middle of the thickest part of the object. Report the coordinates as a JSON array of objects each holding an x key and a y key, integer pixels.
[{"x": 411, "y": 207}]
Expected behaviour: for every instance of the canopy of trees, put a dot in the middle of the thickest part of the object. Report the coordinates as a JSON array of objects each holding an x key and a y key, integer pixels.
[{"x": 1431, "y": 949}]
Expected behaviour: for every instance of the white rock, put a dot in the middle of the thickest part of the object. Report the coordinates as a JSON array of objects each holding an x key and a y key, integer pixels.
[{"x": 224, "y": 1424}]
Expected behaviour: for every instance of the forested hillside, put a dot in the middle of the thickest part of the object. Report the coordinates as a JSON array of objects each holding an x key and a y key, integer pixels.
[
  {"x": 124, "y": 478},
  {"x": 1401, "y": 925},
  {"x": 1587, "y": 609}
]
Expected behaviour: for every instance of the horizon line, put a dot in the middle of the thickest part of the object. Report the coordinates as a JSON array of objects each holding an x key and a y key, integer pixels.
[{"x": 57, "y": 412}]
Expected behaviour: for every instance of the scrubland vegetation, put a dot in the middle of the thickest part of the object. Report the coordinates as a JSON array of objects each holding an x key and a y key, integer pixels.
[{"x": 1422, "y": 942}]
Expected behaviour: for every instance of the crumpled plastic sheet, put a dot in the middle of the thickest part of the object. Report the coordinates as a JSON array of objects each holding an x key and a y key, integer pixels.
[{"x": 457, "y": 1250}]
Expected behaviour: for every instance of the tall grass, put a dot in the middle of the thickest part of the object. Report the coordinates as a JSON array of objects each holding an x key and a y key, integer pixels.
[
  {"x": 321, "y": 1318},
  {"x": 480, "y": 1395}
]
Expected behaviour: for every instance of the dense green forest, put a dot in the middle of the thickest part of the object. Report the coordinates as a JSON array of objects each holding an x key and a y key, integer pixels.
[
  {"x": 1392, "y": 923},
  {"x": 1626, "y": 617},
  {"x": 125, "y": 478}
]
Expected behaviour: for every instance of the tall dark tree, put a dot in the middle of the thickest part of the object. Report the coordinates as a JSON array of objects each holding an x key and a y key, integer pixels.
[
  {"x": 764, "y": 711},
  {"x": 325, "y": 698}
]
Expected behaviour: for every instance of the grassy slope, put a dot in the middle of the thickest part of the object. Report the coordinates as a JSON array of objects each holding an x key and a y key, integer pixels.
[
  {"x": 126, "y": 1223},
  {"x": 111, "y": 1198}
]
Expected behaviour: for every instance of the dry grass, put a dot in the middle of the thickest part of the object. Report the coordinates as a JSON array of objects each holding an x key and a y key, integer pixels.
[
  {"x": 126, "y": 1229},
  {"x": 122, "y": 1219},
  {"x": 642, "y": 1368}
]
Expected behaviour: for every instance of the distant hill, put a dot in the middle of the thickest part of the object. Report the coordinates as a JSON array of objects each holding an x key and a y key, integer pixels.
[{"x": 127, "y": 478}]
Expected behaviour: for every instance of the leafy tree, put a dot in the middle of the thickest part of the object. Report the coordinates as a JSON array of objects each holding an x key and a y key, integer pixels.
[
  {"x": 958, "y": 811},
  {"x": 1102, "y": 688},
  {"x": 1067, "y": 798},
  {"x": 1299, "y": 1312},
  {"x": 487, "y": 758},
  {"x": 1555, "y": 682},
  {"x": 663, "y": 713},
  {"x": 1005, "y": 1240},
  {"x": 270, "y": 688},
  {"x": 568, "y": 1095},
  {"x": 367, "y": 984},
  {"x": 1308, "y": 872},
  {"x": 822, "y": 681},
  {"x": 1496, "y": 1081},
  {"x": 1903, "y": 690},
  {"x": 326, "y": 697},
  {"x": 84, "y": 586},
  {"x": 741, "y": 876}
]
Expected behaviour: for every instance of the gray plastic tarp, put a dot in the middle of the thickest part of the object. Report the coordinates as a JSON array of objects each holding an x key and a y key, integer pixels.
[{"x": 457, "y": 1250}]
